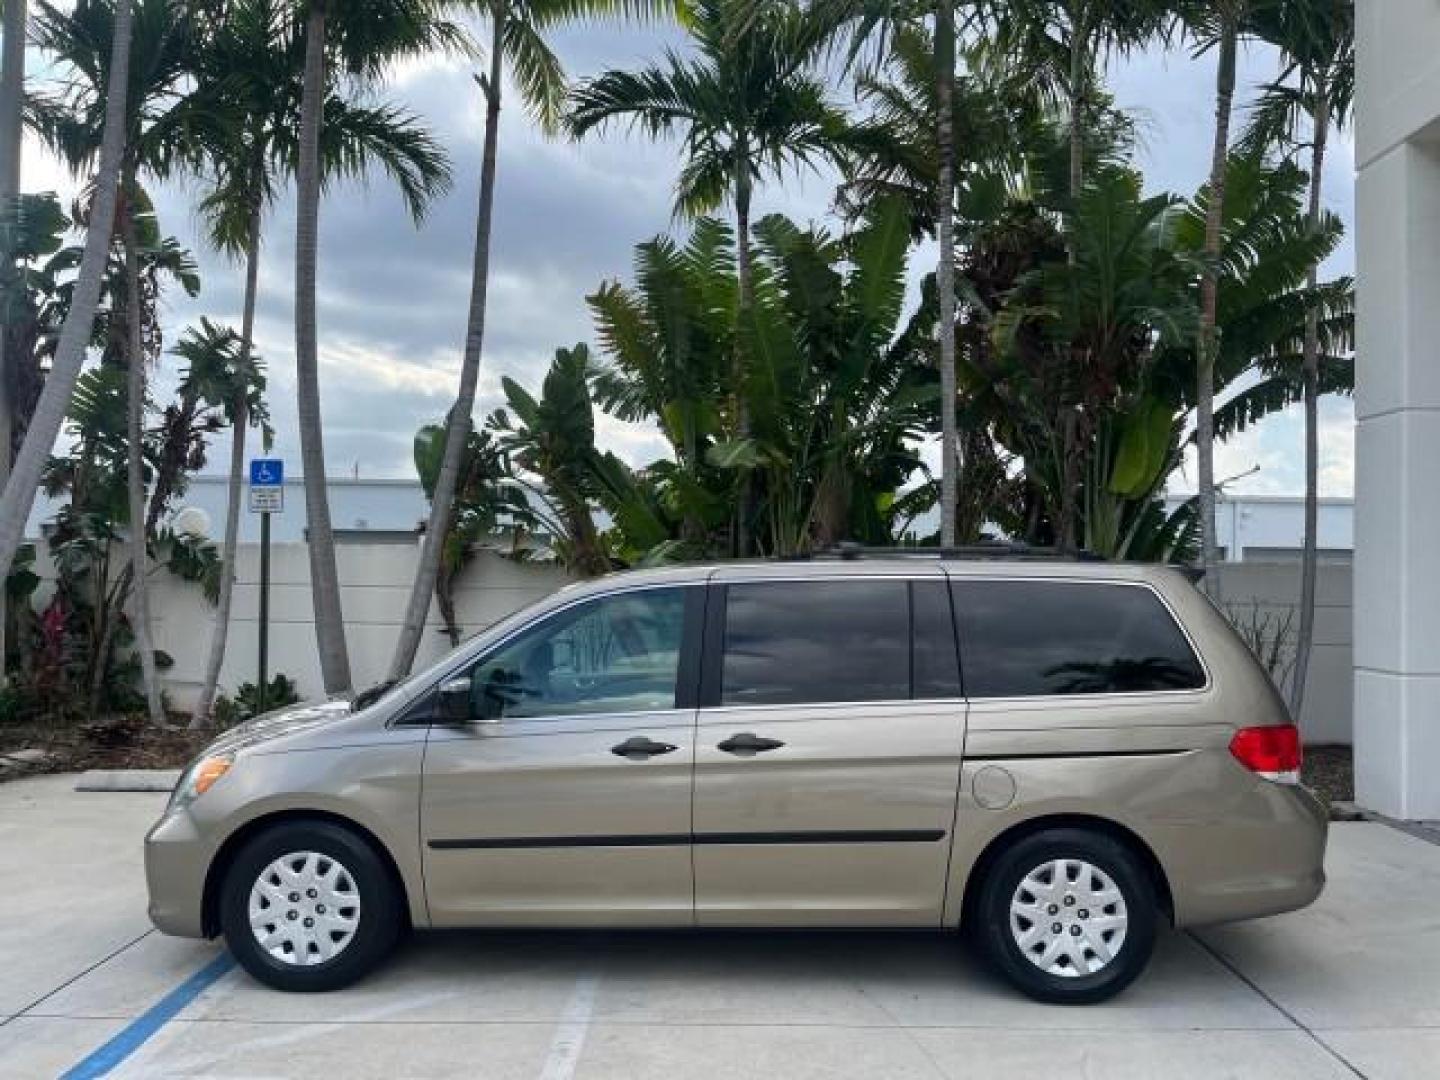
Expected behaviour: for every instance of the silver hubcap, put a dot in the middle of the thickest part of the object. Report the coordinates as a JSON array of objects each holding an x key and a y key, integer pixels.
[
  {"x": 304, "y": 908},
  {"x": 1068, "y": 918}
]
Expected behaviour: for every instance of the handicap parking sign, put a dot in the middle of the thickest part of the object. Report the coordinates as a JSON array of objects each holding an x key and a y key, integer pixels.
[{"x": 266, "y": 472}]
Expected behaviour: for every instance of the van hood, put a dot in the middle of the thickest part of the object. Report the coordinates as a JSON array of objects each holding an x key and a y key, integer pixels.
[{"x": 278, "y": 724}]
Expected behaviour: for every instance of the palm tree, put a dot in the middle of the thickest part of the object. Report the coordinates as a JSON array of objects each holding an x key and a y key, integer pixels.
[
  {"x": 746, "y": 107},
  {"x": 247, "y": 105},
  {"x": 164, "y": 37},
  {"x": 1058, "y": 47},
  {"x": 24, "y": 479},
  {"x": 517, "y": 36},
  {"x": 895, "y": 24},
  {"x": 1316, "y": 91},
  {"x": 12, "y": 97},
  {"x": 893, "y": 151},
  {"x": 223, "y": 365},
  {"x": 1217, "y": 24},
  {"x": 362, "y": 38},
  {"x": 945, "y": 270}
]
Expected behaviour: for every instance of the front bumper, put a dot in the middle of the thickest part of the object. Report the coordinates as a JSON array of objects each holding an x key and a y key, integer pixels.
[{"x": 176, "y": 863}]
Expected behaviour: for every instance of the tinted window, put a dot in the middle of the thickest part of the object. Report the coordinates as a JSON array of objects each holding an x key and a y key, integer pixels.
[
  {"x": 613, "y": 654},
  {"x": 1021, "y": 638},
  {"x": 816, "y": 641},
  {"x": 937, "y": 666}
]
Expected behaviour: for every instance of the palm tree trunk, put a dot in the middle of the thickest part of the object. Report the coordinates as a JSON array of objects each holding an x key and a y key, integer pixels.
[
  {"x": 1078, "y": 74},
  {"x": 945, "y": 270},
  {"x": 445, "y": 601},
  {"x": 135, "y": 460},
  {"x": 589, "y": 559},
  {"x": 240, "y": 420},
  {"x": 12, "y": 96},
  {"x": 745, "y": 304},
  {"x": 324, "y": 578},
  {"x": 1310, "y": 555},
  {"x": 1210, "y": 296},
  {"x": 458, "y": 425},
  {"x": 24, "y": 479}
]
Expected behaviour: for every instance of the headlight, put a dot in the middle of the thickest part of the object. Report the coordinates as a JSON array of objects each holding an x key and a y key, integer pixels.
[{"x": 199, "y": 778}]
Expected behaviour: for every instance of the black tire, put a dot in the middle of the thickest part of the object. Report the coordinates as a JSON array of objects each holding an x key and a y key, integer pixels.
[
  {"x": 380, "y": 913},
  {"x": 997, "y": 941}
]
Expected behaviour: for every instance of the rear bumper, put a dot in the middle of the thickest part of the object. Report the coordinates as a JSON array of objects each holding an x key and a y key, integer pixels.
[
  {"x": 176, "y": 863},
  {"x": 1268, "y": 859}
]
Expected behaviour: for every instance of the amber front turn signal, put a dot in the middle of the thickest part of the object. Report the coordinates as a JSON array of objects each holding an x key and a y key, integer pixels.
[
  {"x": 208, "y": 771},
  {"x": 200, "y": 778}
]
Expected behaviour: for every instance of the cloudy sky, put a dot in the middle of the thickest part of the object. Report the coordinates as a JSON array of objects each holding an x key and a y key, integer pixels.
[{"x": 392, "y": 298}]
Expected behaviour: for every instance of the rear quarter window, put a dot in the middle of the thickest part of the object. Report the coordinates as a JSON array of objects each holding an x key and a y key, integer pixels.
[{"x": 1034, "y": 638}]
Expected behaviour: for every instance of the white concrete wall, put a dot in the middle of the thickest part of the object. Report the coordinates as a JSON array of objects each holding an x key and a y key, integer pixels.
[
  {"x": 375, "y": 582},
  {"x": 1397, "y": 407},
  {"x": 1326, "y": 716}
]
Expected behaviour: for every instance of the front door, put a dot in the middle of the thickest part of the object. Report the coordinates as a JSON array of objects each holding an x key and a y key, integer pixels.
[
  {"x": 567, "y": 801},
  {"x": 827, "y": 752}
]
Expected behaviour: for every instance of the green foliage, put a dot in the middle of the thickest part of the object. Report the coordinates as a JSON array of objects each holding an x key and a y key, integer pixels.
[
  {"x": 489, "y": 502},
  {"x": 744, "y": 102},
  {"x": 245, "y": 705}
]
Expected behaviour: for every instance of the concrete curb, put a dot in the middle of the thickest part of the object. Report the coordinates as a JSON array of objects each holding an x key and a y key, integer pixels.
[{"x": 162, "y": 780}]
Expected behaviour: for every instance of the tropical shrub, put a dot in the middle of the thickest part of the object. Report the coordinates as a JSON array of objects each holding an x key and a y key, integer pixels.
[{"x": 245, "y": 705}]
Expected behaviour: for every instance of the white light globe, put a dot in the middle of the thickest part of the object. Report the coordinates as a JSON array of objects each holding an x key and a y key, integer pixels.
[{"x": 191, "y": 521}]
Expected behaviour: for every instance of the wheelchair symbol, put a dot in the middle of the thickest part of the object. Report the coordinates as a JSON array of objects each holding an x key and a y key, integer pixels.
[{"x": 267, "y": 472}]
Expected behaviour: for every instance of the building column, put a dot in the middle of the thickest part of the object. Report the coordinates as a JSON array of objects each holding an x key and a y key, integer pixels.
[{"x": 1397, "y": 477}]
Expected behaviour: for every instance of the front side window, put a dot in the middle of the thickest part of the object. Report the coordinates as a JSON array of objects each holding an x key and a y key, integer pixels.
[
  {"x": 811, "y": 642},
  {"x": 613, "y": 654},
  {"x": 1030, "y": 638}
]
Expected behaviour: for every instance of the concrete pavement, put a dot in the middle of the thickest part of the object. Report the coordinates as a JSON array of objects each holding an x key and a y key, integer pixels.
[{"x": 1349, "y": 988}]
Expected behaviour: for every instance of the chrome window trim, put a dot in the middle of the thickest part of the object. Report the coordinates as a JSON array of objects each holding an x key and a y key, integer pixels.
[
  {"x": 501, "y": 728},
  {"x": 916, "y": 703},
  {"x": 1126, "y": 695},
  {"x": 802, "y": 579}
]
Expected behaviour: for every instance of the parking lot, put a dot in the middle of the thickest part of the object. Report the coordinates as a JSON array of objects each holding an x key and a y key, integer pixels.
[{"x": 1348, "y": 988}]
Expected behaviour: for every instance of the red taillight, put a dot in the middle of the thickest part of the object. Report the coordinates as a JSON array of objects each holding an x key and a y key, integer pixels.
[{"x": 1271, "y": 752}]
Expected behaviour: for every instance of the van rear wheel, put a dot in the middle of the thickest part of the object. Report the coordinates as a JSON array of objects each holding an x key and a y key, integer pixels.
[
  {"x": 1068, "y": 916},
  {"x": 309, "y": 906}
]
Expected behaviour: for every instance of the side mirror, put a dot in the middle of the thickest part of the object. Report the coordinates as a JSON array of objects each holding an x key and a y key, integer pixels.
[{"x": 454, "y": 701}]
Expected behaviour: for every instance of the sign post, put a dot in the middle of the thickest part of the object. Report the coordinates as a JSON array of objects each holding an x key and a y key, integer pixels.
[{"x": 267, "y": 496}]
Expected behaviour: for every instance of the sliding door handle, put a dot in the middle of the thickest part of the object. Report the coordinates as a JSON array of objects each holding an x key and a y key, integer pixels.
[
  {"x": 747, "y": 743},
  {"x": 639, "y": 748}
]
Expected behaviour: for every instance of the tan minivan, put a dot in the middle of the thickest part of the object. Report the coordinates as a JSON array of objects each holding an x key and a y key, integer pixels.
[{"x": 1055, "y": 754}]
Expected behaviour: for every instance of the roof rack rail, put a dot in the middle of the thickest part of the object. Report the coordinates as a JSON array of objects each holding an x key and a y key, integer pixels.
[{"x": 991, "y": 550}]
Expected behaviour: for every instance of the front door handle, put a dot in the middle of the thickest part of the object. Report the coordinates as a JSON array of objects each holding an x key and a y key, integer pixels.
[
  {"x": 639, "y": 748},
  {"x": 747, "y": 743}
]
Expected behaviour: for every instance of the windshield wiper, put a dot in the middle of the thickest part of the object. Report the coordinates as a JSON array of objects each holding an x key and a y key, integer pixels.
[{"x": 368, "y": 697}]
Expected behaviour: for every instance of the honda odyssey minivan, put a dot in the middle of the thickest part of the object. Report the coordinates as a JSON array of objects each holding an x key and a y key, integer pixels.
[{"x": 1056, "y": 755}]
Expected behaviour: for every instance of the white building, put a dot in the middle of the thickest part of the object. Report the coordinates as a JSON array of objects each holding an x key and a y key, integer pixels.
[{"x": 1397, "y": 407}]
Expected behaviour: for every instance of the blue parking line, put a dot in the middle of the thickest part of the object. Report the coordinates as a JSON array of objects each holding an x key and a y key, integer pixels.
[{"x": 136, "y": 1033}]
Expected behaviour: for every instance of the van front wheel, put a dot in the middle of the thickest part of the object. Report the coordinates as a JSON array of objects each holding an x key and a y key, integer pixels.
[
  {"x": 308, "y": 905},
  {"x": 1068, "y": 916}
]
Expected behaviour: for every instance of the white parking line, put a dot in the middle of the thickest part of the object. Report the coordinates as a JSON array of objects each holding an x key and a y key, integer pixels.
[{"x": 570, "y": 1034}]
